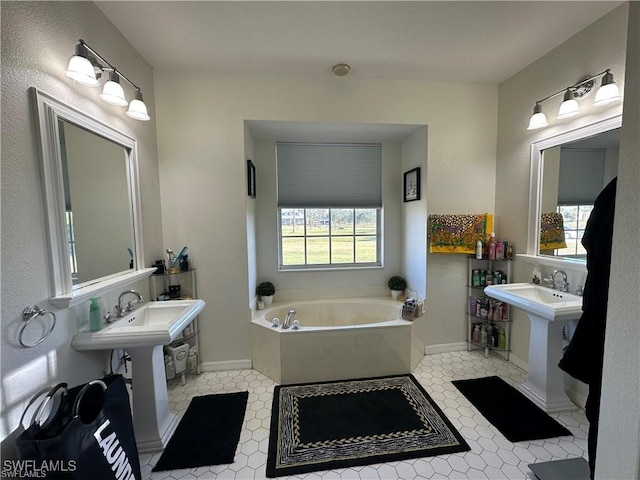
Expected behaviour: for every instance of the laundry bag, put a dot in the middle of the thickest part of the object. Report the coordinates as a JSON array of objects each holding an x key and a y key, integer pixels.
[{"x": 87, "y": 435}]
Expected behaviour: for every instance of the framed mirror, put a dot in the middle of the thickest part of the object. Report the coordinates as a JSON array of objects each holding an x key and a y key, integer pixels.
[
  {"x": 90, "y": 180},
  {"x": 568, "y": 171}
]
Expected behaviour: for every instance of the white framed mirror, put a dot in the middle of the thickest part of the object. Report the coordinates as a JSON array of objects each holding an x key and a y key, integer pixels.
[
  {"x": 567, "y": 172},
  {"x": 91, "y": 189}
]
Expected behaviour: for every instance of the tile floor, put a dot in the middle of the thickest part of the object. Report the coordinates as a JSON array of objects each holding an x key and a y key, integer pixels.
[{"x": 491, "y": 456}]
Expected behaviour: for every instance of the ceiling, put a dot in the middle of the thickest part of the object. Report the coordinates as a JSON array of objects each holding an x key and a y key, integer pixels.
[{"x": 473, "y": 41}]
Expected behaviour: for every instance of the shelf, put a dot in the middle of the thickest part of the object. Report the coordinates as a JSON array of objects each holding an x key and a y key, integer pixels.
[
  {"x": 167, "y": 274},
  {"x": 477, "y": 292},
  {"x": 489, "y": 320}
]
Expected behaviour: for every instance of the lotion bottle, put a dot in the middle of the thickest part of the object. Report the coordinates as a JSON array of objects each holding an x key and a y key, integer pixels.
[{"x": 492, "y": 246}]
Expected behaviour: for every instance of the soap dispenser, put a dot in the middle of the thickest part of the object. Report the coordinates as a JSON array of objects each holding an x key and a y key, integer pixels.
[{"x": 95, "y": 318}]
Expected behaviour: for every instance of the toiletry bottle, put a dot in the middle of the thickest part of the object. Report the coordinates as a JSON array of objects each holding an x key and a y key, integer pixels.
[
  {"x": 184, "y": 263},
  {"x": 479, "y": 250},
  {"x": 95, "y": 318},
  {"x": 170, "y": 369},
  {"x": 509, "y": 252},
  {"x": 492, "y": 246},
  {"x": 500, "y": 251},
  {"x": 475, "y": 335},
  {"x": 483, "y": 335},
  {"x": 502, "y": 339}
]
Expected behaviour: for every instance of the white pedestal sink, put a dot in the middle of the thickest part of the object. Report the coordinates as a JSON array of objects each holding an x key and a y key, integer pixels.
[
  {"x": 142, "y": 334},
  {"x": 548, "y": 311}
]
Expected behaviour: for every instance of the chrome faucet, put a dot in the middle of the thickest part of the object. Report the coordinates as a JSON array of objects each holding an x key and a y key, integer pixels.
[
  {"x": 287, "y": 320},
  {"x": 121, "y": 310},
  {"x": 564, "y": 286}
]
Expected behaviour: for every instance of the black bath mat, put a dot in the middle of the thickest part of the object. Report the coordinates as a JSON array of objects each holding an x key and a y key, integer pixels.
[
  {"x": 321, "y": 426},
  {"x": 513, "y": 414},
  {"x": 208, "y": 433}
]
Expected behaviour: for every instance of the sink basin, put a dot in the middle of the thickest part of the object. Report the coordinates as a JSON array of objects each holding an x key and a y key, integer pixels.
[
  {"x": 548, "y": 311},
  {"x": 142, "y": 334},
  {"x": 543, "y": 302},
  {"x": 155, "y": 323}
]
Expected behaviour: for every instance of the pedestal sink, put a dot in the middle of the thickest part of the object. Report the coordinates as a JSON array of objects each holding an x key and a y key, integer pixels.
[
  {"x": 548, "y": 310},
  {"x": 142, "y": 334}
]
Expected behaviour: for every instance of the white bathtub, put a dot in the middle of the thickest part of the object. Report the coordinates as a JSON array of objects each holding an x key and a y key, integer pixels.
[{"x": 338, "y": 339}]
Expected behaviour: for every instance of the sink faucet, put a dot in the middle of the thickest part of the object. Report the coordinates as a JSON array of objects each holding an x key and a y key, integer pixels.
[
  {"x": 564, "y": 286},
  {"x": 287, "y": 320},
  {"x": 121, "y": 310}
]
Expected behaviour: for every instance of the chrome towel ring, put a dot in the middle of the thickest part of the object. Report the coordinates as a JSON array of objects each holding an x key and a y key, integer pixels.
[{"x": 28, "y": 315}]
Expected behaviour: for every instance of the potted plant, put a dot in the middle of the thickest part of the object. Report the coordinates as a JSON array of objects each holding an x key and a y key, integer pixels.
[
  {"x": 265, "y": 291},
  {"x": 397, "y": 284}
]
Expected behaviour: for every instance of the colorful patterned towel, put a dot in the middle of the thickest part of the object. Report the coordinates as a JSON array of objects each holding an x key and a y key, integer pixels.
[
  {"x": 552, "y": 231},
  {"x": 458, "y": 233}
]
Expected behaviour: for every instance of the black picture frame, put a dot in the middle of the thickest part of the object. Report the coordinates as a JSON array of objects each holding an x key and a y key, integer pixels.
[
  {"x": 251, "y": 179},
  {"x": 411, "y": 185}
]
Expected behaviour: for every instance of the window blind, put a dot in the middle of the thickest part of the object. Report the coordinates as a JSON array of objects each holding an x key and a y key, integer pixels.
[{"x": 329, "y": 175}]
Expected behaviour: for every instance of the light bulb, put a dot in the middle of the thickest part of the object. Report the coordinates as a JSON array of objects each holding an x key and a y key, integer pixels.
[
  {"x": 81, "y": 70},
  {"x": 569, "y": 106},
  {"x": 137, "y": 108},
  {"x": 112, "y": 91},
  {"x": 538, "y": 119}
]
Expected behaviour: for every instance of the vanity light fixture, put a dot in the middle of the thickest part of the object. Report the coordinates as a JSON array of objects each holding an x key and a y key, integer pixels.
[
  {"x": 86, "y": 68},
  {"x": 607, "y": 93}
]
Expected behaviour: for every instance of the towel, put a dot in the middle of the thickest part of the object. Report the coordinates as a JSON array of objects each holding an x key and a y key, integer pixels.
[
  {"x": 552, "y": 231},
  {"x": 458, "y": 233}
]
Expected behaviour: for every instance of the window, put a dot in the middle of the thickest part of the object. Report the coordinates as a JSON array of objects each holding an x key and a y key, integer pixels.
[
  {"x": 329, "y": 236},
  {"x": 329, "y": 205},
  {"x": 575, "y": 220}
]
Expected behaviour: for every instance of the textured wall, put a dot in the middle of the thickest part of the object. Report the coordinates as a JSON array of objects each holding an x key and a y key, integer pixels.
[
  {"x": 38, "y": 38},
  {"x": 620, "y": 409},
  {"x": 601, "y": 45}
]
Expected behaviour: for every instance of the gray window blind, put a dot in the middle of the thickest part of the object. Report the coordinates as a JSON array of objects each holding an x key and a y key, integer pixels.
[{"x": 329, "y": 175}]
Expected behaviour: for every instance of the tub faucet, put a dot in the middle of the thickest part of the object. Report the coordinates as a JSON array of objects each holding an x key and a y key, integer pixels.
[
  {"x": 287, "y": 320},
  {"x": 564, "y": 286},
  {"x": 121, "y": 311}
]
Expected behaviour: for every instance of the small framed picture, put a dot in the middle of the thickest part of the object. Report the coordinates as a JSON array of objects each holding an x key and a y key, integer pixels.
[
  {"x": 412, "y": 185},
  {"x": 251, "y": 179}
]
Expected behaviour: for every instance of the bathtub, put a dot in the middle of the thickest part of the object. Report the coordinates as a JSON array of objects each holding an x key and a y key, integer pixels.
[{"x": 338, "y": 339}]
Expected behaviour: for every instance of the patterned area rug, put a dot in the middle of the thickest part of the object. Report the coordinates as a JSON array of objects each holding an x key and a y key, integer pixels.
[{"x": 322, "y": 426}]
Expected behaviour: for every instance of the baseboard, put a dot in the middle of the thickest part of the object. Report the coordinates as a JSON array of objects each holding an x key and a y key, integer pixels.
[
  {"x": 226, "y": 365},
  {"x": 576, "y": 391},
  {"x": 518, "y": 362},
  {"x": 445, "y": 347}
]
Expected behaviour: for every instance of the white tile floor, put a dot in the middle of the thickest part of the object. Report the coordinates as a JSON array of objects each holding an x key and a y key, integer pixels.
[{"x": 491, "y": 455}]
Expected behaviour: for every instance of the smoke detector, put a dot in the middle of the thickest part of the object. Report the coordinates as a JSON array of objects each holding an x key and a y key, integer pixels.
[{"x": 341, "y": 69}]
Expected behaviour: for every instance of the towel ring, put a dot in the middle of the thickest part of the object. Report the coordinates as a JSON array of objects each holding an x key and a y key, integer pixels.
[{"x": 28, "y": 315}]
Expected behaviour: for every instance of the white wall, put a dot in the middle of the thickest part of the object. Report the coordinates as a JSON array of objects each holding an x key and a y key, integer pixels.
[
  {"x": 38, "y": 38},
  {"x": 202, "y": 160},
  {"x": 601, "y": 45},
  {"x": 619, "y": 439},
  {"x": 414, "y": 216}
]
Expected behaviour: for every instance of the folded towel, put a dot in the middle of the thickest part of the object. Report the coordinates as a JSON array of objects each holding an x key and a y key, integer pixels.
[
  {"x": 458, "y": 233},
  {"x": 552, "y": 231}
]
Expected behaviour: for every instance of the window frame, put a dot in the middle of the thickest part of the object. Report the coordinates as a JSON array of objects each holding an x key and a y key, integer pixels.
[
  {"x": 331, "y": 266},
  {"x": 577, "y": 230}
]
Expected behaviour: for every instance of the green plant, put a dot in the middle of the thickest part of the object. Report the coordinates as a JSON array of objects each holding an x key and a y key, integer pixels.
[
  {"x": 397, "y": 283},
  {"x": 265, "y": 289}
]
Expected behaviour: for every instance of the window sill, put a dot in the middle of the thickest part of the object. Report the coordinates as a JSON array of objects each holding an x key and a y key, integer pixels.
[{"x": 307, "y": 268}]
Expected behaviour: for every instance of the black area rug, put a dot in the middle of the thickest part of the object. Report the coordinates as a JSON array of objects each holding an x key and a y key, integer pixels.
[
  {"x": 208, "y": 433},
  {"x": 517, "y": 417},
  {"x": 321, "y": 426}
]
